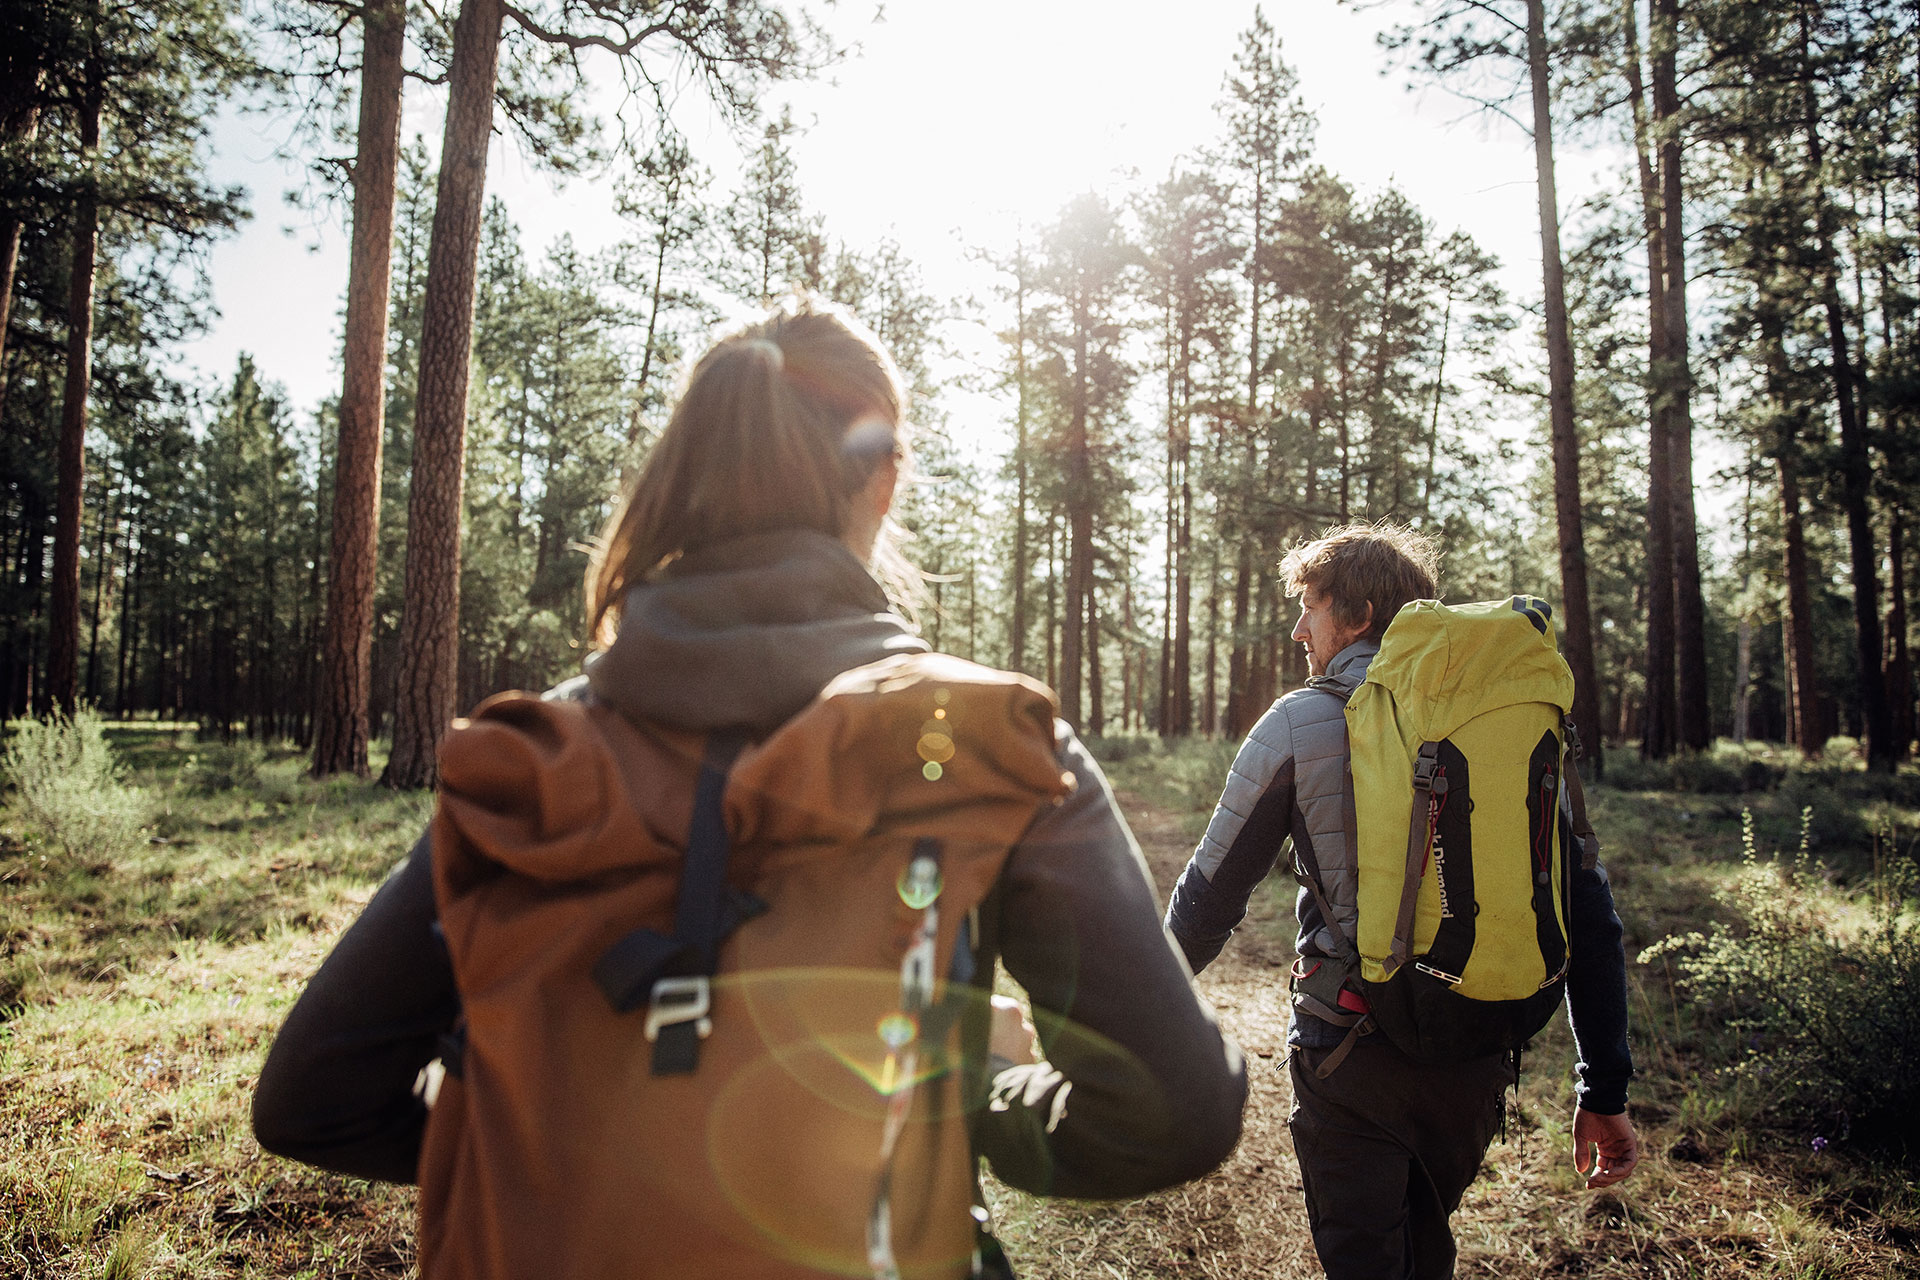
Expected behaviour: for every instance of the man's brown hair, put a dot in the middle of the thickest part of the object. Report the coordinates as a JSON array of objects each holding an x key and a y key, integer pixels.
[{"x": 1356, "y": 565}]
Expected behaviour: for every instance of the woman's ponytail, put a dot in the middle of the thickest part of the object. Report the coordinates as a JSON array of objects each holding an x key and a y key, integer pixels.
[{"x": 778, "y": 427}]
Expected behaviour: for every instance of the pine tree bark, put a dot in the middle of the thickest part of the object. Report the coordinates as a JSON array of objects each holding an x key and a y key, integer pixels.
[
  {"x": 23, "y": 73},
  {"x": 1183, "y": 590},
  {"x": 1017, "y": 627},
  {"x": 1239, "y": 674},
  {"x": 429, "y": 625},
  {"x": 63, "y": 621},
  {"x": 1689, "y": 609},
  {"x": 10, "y": 229},
  {"x": 1096, "y": 679},
  {"x": 1170, "y": 521},
  {"x": 1079, "y": 498},
  {"x": 1898, "y": 676},
  {"x": 1855, "y": 465},
  {"x": 1566, "y": 440},
  {"x": 1804, "y": 685},
  {"x": 1210, "y": 704},
  {"x": 340, "y": 739},
  {"x": 1657, "y": 718}
]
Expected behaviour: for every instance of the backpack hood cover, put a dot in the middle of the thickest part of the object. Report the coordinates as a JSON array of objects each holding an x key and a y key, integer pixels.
[
  {"x": 547, "y": 788},
  {"x": 1448, "y": 664}
]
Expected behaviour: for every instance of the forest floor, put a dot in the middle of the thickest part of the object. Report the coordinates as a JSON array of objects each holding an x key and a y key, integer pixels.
[{"x": 137, "y": 998}]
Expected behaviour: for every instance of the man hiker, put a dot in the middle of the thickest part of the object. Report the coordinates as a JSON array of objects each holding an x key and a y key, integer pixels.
[{"x": 1387, "y": 1144}]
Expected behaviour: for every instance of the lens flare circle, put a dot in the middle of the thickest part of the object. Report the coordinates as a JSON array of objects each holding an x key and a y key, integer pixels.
[{"x": 918, "y": 889}]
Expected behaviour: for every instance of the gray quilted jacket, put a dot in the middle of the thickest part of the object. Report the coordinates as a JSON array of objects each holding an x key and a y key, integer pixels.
[{"x": 1301, "y": 744}]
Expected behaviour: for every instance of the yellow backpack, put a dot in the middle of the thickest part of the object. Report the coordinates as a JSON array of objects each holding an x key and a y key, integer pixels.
[{"x": 1461, "y": 748}]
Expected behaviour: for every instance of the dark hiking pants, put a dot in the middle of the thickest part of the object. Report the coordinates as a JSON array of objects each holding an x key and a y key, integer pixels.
[{"x": 1387, "y": 1147}]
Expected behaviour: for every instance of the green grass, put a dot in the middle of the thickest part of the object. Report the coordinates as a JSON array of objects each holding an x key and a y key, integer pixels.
[
  {"x": 138, "y": 995},
  {"x": 137, "y": 999}
]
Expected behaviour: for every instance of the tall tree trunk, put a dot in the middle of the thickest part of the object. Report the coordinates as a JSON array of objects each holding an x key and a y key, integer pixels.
[
  {"x": 1566, "y": 440},
  {"x": 1096, "y": 680},
  {"x": 23, "y": 68},
  {"x": 1803, "y": 682},
  {"x": 1210, "y": 708},
  {"x": 1898, "y": 677},
  {"x": 10, "y": 229},
  {"x": 1171, "y": 520},
  {"x": 63, "y": 631},
  {"x": 135, "y": 557},
  {"x": 1183, "y": 591},
  {"x": 340, "y": 738},
  {"x": 102, "y": 574},
  {"x": 1017, "y": 627},
  {"x": 1056, "y": 566},
  {"x": 1657, "y": 720},
  {"x": 1433, "y": 426},
  {"x": 1689, "y": 610},
  {"x": 1079, "y": 495},
  {"x": 1743, "y": 642},
  {"x": 429, "y": 624},
  {"x": 1239, "y": 655},
  {"x": 1855, "y": 465}
]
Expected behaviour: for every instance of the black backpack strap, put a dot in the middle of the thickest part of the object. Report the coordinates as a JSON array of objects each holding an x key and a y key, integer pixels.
[
  {"x": 1429, "y": 783},
  {"x": 673, "y": 975},
  {"x": 1583, "y": 833},
  {"x": 677, "y": 1014}
]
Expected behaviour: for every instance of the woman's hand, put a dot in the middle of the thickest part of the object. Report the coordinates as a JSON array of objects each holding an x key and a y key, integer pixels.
[{"x": 1013, "y": 1037}]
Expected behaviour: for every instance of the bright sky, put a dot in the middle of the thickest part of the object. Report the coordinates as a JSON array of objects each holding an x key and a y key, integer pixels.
[{"x": 950, "y": 129}]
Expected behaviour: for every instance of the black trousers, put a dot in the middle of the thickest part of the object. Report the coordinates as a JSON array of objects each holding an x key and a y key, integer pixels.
[{"x": 1387, "y": 1146}]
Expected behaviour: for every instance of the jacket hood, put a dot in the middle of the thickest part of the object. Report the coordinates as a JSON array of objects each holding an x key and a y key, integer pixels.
[{"x": 745, "y": 633}]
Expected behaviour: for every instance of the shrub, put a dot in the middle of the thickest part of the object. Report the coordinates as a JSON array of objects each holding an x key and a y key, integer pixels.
[
  {"x": 227, "y": 768},
  {"x": 1726, "y": 769},
  {"x": 1818, "y": 993},
  {"x": 68, "y": 787}
]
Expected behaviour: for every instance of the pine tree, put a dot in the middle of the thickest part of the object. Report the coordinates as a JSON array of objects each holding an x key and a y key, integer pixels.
[{"x": 340, "y": 743}]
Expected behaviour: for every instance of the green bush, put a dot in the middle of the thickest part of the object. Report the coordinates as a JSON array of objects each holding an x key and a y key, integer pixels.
[
  {"x": 68, "y": 788},
  {"x": 227, "y": 768},
  {"x": 1817, "y": 993},
  {"x": 1725, "y": 769}
]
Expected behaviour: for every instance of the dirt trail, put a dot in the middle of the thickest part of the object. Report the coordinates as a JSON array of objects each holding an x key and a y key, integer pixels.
[{"x": 1246, "y": 1219}]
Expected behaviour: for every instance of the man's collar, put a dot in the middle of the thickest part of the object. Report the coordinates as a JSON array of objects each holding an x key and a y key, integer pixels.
[{"x": 1360, "y": 651}]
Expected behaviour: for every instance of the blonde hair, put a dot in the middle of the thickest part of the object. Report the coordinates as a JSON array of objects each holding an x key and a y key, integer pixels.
[
  {"x": 1383, "y": 565},
  {"x": 779, "y": 426}
]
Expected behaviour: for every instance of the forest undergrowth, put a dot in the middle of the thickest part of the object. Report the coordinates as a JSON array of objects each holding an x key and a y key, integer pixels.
[{"x": 141, "y": 983}]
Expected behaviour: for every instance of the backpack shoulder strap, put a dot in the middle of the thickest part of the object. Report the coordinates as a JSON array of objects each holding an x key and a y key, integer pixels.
[
  {"x": 1583, "y": 831},
  {"x": 673, "y": 974}
]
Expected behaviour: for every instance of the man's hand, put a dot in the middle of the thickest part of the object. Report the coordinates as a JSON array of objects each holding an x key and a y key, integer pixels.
[{"x": 1612, "y": 1137}]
